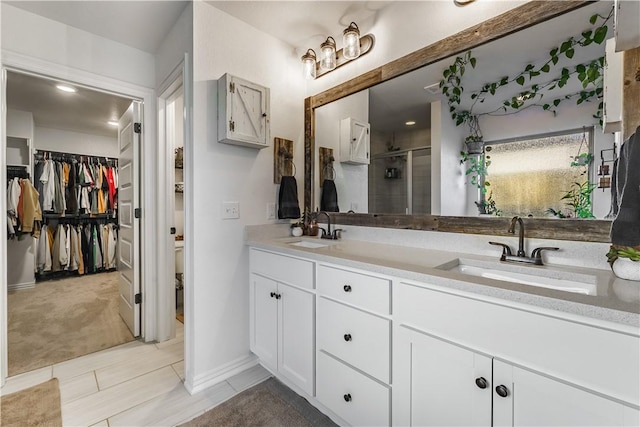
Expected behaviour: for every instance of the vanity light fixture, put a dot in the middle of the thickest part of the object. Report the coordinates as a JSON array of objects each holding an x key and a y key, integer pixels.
[
  {"x": 309, "y": 64},
  {"x": 328, "y": 54},
  {"x": 112, "y": 123},
  {"x": 65, "y": 88},
  {"x": 330, "y": 59},
  {"x": 351, "y": 41}
]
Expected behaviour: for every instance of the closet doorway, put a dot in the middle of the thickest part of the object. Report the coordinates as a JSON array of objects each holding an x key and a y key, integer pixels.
[{"x": 72, "y": 283}]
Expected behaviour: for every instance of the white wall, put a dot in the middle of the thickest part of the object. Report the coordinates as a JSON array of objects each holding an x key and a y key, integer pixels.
[
  {"x": 173, "y": 47},
  {"x": 20, "y": 124},
  {"x": 351, "y": 180},
  {"x": 75, "y": 142},
  {"x": 29, "y": 34},
  {"x": 220, "y": 299}
]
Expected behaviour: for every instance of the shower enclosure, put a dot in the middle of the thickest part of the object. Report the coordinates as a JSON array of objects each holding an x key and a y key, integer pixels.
[{"x": 400, "y": 182}]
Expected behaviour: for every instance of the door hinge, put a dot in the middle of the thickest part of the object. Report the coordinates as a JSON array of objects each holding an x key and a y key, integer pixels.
[
  {"x": 137, "y": 127},
  {"x": 232, "y": 87},
  {"x": 138, "y": 299},
  {"x": 137, "y": 213},
  {"x": 232, "y": 126}
]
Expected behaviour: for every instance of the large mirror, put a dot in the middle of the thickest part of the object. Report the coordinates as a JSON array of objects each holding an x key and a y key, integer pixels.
[{"x": 413, "y": 176}]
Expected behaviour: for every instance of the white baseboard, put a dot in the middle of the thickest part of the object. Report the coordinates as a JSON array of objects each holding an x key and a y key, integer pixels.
[
  {"x": 222, "y": 373},
  {"x": 18, "y": 286}
]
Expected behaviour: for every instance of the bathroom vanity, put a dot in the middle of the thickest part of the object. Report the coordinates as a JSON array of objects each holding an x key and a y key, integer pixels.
[{"x": 376, "y": 334}]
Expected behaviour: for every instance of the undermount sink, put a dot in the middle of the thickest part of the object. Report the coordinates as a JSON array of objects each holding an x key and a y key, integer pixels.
[
  {"x": 309, "y": 245},
  {"x": 531, "y": 276}
]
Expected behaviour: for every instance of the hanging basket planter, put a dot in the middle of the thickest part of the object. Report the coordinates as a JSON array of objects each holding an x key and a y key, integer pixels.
[{"x": 475, "y": 147}]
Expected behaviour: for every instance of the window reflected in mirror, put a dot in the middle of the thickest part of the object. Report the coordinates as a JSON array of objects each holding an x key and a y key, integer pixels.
[{"x": 543, "y": 176}]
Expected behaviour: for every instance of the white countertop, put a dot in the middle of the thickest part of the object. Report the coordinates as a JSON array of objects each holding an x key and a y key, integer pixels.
[{"x": 616, "y": 303}]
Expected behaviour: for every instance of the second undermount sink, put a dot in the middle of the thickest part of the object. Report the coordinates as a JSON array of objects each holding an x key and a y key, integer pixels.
[
  {"x": 531, "y": 276},
  {"x": 309, "y": 245}
]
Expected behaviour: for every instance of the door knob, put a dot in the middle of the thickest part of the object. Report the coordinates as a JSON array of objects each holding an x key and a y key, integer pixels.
[
  {"x": 481, "y": 382},
  {"x": 347, "y": 337},
  {"x": 347, "y": 288},
  {"x": 502, "y": 391},
  {"x": 347, "y": 397}
]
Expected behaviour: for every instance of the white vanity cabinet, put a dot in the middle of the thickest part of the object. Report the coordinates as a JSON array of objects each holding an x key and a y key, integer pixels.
[
  {"x": 354, "y": 141},
  {"x": 468, "y": 362},
  {"x": 354, "y": 345},
  {"x": 282, "y": 311},
  {"x": 243, "y": 112}
]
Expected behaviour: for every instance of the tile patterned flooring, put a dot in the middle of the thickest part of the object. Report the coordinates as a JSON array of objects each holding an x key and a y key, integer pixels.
[{"x": 134, "y": 384}]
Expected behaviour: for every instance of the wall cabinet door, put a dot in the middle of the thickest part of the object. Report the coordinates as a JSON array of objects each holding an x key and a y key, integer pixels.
[
  {"x": 354, "y": 141},
  {"x": 296, "y": 314},
  {"x": 438, "y": 383},
  {"x": 533, "y": 399},
  {"x": 264, "y": 320},
  {"x": 243, "y": 112}
]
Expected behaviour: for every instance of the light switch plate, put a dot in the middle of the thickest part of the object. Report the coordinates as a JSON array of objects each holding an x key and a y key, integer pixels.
[{"x": 230, "y": 210}]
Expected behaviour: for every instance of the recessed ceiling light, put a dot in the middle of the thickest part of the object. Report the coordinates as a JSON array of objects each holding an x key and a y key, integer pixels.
[
  {"x": 113, "y": 123},
  {"x": 410, "y": 123},
  {"x": 66, "y": 88}
]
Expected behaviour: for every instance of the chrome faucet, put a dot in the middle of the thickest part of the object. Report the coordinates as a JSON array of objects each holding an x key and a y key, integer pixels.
[
  {"x": 521, "y": 256},
  {"x": 328, "y": 234}
]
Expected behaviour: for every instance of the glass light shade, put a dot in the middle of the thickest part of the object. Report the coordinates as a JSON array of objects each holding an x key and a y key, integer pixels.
[
  {"x": 309, "y": 65},
  {"x": 328, "y": 54},
  {"x": 351, "y": 42}
]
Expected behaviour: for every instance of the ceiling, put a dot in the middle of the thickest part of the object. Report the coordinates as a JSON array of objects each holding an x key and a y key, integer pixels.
[
  {"x": 139, "y": 24},
  {"x": 86, "y": 111}
]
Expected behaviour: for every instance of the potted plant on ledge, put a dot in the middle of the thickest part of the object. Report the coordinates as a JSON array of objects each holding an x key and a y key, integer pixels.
[{"x": 625, "y": 262}]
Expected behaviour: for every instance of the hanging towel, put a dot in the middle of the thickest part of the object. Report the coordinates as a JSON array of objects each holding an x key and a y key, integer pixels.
[
  {"x": 288, "y": 198},
  {"x": 625, "y": 229},
  {"x": 329, "y": 199}
]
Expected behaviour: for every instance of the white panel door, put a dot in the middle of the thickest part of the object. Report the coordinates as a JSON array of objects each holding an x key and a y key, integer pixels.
[
  {"x": 439, "y": 383},
  {"x": 129, "y": 237},
  {"x": 264, "y": 320},
  {"x": 295, "y": 359},
  {"x": 536, "y": 400}
]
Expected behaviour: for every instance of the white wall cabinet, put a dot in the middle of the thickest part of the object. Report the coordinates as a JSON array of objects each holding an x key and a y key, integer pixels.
[
  {"x": 243, "y": 112},
  {"x": 626, "y": 28},
  {"x": 354, "y": 141},
  {"x": 282, "y": 322}
]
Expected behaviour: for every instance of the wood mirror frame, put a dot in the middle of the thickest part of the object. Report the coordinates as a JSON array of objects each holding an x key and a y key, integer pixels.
[{"x": 517, "y": 19}]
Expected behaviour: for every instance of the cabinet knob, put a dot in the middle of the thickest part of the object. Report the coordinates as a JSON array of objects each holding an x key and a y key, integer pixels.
[
  {"x": 347, "y": 288},
  {"x": 481, "y": 382},
  {"x": 502, "y": 391},
  {"x": 278, "y": 296},
  {"x": 347, "y": 397},
  {"x": 273, "y": 294},
  {"x": 347, "y": 337}
]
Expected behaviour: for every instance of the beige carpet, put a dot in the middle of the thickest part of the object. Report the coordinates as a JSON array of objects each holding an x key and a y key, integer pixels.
[
  {"x": 35, "y": 406},
  {"x": 60, "y": 320},
  {"x": 269, "y": 403}
]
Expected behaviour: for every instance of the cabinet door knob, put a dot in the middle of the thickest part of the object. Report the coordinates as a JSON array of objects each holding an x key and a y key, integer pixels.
[
  {"x": 273, "y": 294},
  {"x": 481, "y": 382},
  {"x": 347, "y": 397},
  {"x": 278, "y": 296},
  {"x": 347, "y": 337},
  {"x": 502, "y": 391},
  {"x": 347, "y": 288}
]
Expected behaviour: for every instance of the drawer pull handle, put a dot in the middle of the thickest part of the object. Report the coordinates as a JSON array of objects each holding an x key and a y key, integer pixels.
[
  {"x": 481, "y": 383},
  {"x": 502, "y": 391},
  {"x": 347, "y": 288},
  {"x": 347, "y": 337},
  {"x": 347, "y": 397}
]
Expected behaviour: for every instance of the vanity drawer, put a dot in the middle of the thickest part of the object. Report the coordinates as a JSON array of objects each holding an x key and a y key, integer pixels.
[
  {"x": 294, "y": 271},
  {"x": 359, "y": 338},
  {"x": 369, "y": 292},
  {"x": 354, "y": 397}
]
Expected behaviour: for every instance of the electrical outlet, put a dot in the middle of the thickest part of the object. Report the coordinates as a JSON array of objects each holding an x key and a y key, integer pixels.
[
  {"x": 230, "y": 210},
  {"x": 271, "y": 211}
]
